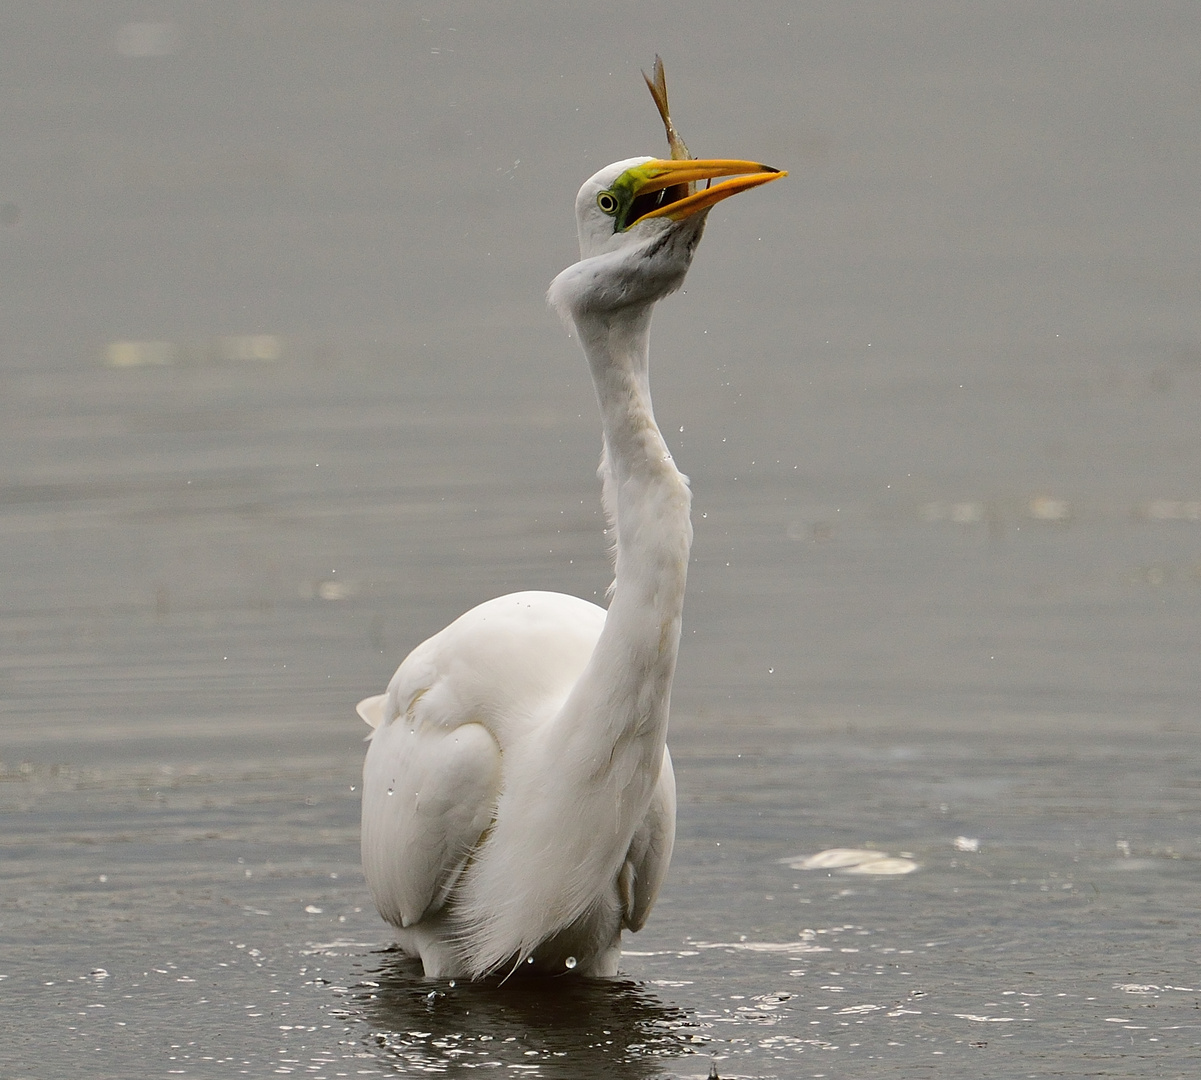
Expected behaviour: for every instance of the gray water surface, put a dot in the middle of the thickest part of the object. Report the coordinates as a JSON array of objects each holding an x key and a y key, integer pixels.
[{"x": 279, "y": 397}]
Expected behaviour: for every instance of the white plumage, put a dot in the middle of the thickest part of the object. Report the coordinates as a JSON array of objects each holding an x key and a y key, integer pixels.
[{"x": 518, "y": 796}]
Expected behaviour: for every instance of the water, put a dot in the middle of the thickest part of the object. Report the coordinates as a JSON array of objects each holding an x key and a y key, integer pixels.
[{"x": 279, "y": 398}]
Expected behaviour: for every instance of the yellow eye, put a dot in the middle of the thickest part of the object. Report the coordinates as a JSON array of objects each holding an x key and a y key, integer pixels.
[{"x": 607, "y": 202}]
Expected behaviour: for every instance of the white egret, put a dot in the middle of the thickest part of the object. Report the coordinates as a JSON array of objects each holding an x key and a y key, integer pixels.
[{"x": 518, "y": 796}]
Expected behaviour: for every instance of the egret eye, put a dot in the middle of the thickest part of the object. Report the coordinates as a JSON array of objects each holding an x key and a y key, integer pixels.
[{"x": 607, "y": 202}]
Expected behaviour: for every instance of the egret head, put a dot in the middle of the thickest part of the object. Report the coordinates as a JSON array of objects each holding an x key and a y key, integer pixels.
[
  {"x": 639, "y": 222},
  {"x": 642, "y": 197}
]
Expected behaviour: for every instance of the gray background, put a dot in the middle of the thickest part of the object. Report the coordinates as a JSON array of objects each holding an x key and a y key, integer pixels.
[{"x": 279, "y": 397}]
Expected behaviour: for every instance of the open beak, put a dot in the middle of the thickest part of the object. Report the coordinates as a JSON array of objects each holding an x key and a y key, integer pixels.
[{"x": 660, "y": 175}]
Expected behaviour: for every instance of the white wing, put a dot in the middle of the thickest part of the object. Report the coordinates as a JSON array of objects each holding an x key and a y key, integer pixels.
[
  {"x": 434, "y": 768},
  {"x": 427, "y": 798},
  {"x": 650, "y": 852}
]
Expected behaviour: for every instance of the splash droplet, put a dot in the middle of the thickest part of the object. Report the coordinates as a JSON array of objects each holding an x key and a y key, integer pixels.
[{"x": 570, "y": 962}]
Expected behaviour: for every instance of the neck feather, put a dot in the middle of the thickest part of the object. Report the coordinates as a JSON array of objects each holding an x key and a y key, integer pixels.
[
  {"x": 600, "y": 759},
  {"x": 648, "y": 500}
]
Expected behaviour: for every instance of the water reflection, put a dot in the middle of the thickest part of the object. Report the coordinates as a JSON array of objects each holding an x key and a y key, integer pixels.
[{"x": 566, "y": 1028}]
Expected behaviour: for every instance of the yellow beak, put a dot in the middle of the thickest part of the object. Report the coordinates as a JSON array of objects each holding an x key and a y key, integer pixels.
[{"x": 664, "y": 174}]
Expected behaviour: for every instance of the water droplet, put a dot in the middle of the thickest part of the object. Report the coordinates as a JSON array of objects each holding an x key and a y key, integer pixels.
[
  {"x": 431, "y": 996},
  {"x": 452, "y": 984},
  {"x": 390, "y": 792},
  {"x": 529, "y": 959},
  {"x": 570, "y": 962}
]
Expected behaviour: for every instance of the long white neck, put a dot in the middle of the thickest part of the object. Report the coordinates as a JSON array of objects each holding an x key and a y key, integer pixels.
[
  {"x": 573, "y": 812},
  {"x": 647, "y": 500}
]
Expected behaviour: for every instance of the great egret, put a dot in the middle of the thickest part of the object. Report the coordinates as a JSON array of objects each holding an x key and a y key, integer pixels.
[{"x": 518, "y": 795}]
